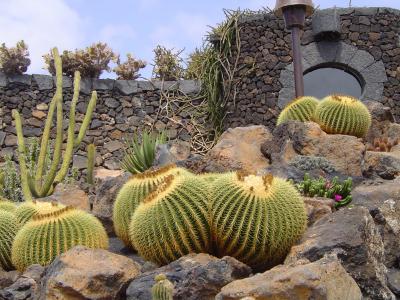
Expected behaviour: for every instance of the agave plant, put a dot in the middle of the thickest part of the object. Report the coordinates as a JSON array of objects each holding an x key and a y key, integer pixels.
[{"x": 140, "y": 154}]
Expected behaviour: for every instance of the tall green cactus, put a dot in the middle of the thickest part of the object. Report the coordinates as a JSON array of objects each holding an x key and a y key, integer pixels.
[
  {"x": 256, "y": 219},
  {"x": 91, "y": 155},
  {"x": 39, "y": 185},
  {"x": 47, "y": 235},
  {"x": 173, "y": 220},
  {"x": 301, "y": 109},
  {"x": 340, "y": 114},
  {"x": 132, "y": 194},
  {"x": 163, "y": 289},
  {"x": 8, "y": 229}
]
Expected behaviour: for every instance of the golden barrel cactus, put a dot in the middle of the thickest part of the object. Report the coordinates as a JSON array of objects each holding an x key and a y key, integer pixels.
[
  {"x": 29, "y": 209},
  {"x": 340, "y": 114},
  {"x": 256, "y": 219},
  {"x": 7, "y": 205},
  {"x": 163, "y": 289},
  {"x": 133, "y": 192},
  {"x": 8, "y": 230},
  {"x": 173, "y": 220},
  {"x": 300, "y": 109},
  {"x": 47, "y": 235}
]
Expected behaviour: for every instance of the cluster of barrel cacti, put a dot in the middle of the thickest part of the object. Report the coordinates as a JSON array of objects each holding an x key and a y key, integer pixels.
[
  {"x": 37, "y": 232},
  {"x": 336, "y": 114},
  {"x": 171, "y": 212}
]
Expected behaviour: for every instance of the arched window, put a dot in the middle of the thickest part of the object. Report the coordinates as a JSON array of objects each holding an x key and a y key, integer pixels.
[{"x": 330, "y": 79}]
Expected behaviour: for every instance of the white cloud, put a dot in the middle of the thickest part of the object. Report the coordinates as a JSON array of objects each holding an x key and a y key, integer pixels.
[{"x": 43, "y": 24}]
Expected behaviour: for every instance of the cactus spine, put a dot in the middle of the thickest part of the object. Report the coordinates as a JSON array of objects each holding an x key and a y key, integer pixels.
[
  {"x": 132, "y": 193},
  {"x": 339, "y": 114},
  {"x": 163, "y": 289},
  {"x": 47, "y": 235},
  {"x": 256, "y": 219},
  {"x": 8, "y": 230},
  {"x": 301, "y": 109},
  {"x": 27, "y": 210},
  {"x": 38, "y": 186},
  {"x": 91, "y": 154},
  {"x": 173, "y": 220}
]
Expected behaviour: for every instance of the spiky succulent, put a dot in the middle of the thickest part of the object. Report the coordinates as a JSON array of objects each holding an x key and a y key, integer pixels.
[
  {"x": 47, "y": 235},
  {"x": 256, "y": 219},
  {"x": 300, "y": 109},
  {"x": 29, "y": 209},
  {"x": 8, "y": 230},
  {"x": 163, "y": 289},
  {"x": 340, "y": 114},
  {"x": 133, "y": 192},
  {"x": 7, "y": 205},
  {"x": 173, "y": 220}
]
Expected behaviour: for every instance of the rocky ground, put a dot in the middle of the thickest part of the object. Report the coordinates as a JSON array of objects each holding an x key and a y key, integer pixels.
[{"x": 350, "y": 253}]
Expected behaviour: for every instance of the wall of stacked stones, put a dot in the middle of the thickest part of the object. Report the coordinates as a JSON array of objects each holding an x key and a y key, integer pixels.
[
  {"x": 123, "y": 108},
  {"x": 265, "y": 60}
]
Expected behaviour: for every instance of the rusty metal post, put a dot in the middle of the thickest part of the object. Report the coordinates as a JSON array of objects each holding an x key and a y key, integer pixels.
[{"x": 298, "y": 66}]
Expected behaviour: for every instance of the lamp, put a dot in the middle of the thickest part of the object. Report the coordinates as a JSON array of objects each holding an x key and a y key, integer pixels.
[{"x": 294, "y": 13}]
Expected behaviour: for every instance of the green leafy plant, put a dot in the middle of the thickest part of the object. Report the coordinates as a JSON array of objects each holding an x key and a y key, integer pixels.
[
  {"x": 139, "y": 154},
  {"x": 321, "y": 187},
  {"x": 195, "y": 64},
  {"x": 129, "y": 70},
  {"x": 14, "y": 60},
  {"x": 10, "y": 183},
  {"x": 90, "y": 62},
  {"x": 43, "y": 183},
  {"x": 167, "y": 64}
]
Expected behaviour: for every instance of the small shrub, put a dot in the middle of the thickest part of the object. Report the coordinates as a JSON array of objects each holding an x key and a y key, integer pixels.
[
  {"x": 383, "y": 144},
  {"x": 14, "y": 60},
  {"x": 167, "y": 64},
  {"x": 321, "y": 187},
  {"x": 308, "y": 163},
  {"x": 140, "y": 154},
  {"x": 129, "y": 70},
  {"x": 10, "y": 185},
  {"x": 195, "y": 65},
  {"x": 90, "y": 62}
]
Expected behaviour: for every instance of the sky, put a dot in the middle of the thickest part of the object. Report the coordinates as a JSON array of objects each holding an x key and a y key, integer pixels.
[{"x": 134, "y": 26}]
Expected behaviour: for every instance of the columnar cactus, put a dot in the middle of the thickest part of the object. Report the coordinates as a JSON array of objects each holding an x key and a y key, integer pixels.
[
  {"x": 173, "y": 220},
  {"x": 163, "y": 289},
  {"x": 339, "y": 114},
  {"x": 91, "y": 153},
  {"x": 8, "y": 230},
  {"x": 301, "y": 109},
  {"x": 256, "y": 219},
  {"x": 47, "y": 235},
  {"x": 38, "y": 185},
  {"x": 27, "y": 210},
  {"x": 133, "y": 192}
]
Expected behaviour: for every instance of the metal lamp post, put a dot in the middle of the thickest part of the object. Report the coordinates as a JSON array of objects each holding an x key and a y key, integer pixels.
[{"x": 295, "y": 12}]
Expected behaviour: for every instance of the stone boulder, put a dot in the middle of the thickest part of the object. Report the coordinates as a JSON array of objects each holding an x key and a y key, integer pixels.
[
  {"x": 105, "y": 192},
  {"x": 83, "y": 273},
  {"x": 293, "y": 138},
  {"x": 322, "y": 279},
  {"x": 352, "y": 235},
  {"x": 173, "y": 152},
  {"x": 70, "y": 194},
  {"x": 195, "y": 277},
  {"x": 238, "y": 149},
  {"x": 25, "y": 286},
  {"x": 384, "y": 164},
  {"x": 317, "y": 208}
]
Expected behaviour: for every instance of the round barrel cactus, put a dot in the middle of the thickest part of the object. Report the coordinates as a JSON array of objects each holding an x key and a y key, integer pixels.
[
  {"x": 300, "y": 109},
  {"x": 256, "y": 219},
  {"x": 133, "y": 192},
  {"x": 47, "y": 235},
  {"x": 173, "y": 220},
  {"x": 163, "y": 289},
  {"x": 340, "y": 114},
  {"x": 7, "y": 205},
  {"x": 27, "y": 210},
  {"x": 8, "y": 230}
]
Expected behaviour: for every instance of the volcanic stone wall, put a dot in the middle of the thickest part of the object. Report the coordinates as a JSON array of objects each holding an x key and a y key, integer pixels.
[
  {"x": 123, "y": 107},
  {"x": 265, "y": 48}
]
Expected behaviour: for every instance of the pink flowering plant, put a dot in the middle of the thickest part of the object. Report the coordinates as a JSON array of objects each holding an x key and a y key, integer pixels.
[{"x": 322, "y": 187}]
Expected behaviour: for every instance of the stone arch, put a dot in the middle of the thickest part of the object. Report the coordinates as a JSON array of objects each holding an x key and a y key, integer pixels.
[{"x": 370, "y": 72}]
